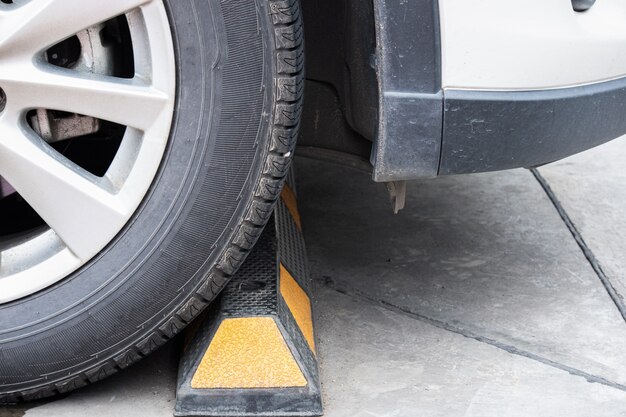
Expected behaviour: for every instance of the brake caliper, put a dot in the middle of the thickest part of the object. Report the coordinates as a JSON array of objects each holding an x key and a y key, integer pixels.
[{"x": 86, "y": 52}]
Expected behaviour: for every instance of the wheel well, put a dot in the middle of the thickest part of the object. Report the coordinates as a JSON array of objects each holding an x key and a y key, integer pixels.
[{"x": 341, "y": 108}]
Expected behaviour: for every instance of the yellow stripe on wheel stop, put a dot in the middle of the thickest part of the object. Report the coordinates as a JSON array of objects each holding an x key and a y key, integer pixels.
[
  {"x": 289, "y": 198},
  {"x": 299, "y": 304},
  {"x": 248, "y": 353}
]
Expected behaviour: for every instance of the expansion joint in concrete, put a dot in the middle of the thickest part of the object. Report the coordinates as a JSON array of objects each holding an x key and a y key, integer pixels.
[
  {"x": 331, "y": 284},
  {"x": 588, "y": 253}
]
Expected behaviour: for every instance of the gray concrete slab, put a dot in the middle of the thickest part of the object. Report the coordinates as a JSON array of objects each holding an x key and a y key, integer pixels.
[
  {"x": 485, "y": 255},
  {"x": 591, "y": 187},
  {"x": 378, "y": 362}
]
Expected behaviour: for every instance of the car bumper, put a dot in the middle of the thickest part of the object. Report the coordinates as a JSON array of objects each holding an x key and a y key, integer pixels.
[{"x": 461, "y": 91}]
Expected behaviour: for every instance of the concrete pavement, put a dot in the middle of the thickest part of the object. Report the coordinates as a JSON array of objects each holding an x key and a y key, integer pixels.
[{"x": 476, "y": 300}]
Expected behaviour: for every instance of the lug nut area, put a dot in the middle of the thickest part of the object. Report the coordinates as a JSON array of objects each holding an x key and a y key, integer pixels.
[{"x": 3, "y": 100}]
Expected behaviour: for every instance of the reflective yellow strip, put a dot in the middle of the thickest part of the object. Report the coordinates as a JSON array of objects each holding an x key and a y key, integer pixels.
[
  {"x": 299, "y": 305},
  {"x": 289, "y": 198},
  {"x": 248, "y": 353}
]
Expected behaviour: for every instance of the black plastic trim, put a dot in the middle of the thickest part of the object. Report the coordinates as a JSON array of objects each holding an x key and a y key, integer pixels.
[
  {"x": 408, "y": 57},
  {"x": 582, "y": 5},
  {"x": 492, "y": 130}
]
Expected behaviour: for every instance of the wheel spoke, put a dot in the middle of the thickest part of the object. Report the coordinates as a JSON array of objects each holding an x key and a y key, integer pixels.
[
  {"x": 129, "y": 102},
  {"x": 76, "y": 205},
  {"x": 38, "y": 24}
]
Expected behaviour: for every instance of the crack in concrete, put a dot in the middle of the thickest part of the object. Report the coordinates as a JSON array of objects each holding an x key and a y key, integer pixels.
[
  {"x": 331, "y": 284},
  {"x": 591, "y": 258}
]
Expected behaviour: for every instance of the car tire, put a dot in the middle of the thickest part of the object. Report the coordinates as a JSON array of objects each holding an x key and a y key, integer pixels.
[{"x": 239, "y": 87}]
